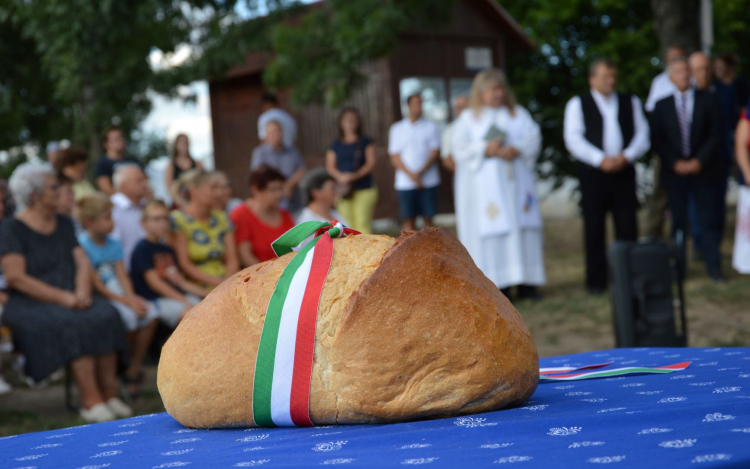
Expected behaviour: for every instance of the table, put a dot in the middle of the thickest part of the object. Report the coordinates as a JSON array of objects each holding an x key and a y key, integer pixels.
[{"x": 699, "y": 417}]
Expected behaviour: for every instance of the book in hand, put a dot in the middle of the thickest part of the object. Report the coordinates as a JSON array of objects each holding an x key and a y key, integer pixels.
[{"x": 494, "y": 134}]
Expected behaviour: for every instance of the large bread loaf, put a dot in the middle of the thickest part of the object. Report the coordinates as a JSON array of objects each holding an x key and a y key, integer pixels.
[{"x": 407, "y": 329}]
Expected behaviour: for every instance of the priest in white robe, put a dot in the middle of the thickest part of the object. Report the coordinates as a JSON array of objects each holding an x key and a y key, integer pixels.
[{"x": 495, "y": 146}]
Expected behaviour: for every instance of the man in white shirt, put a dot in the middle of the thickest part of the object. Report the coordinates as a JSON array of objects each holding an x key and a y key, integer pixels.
[
  {"x": 606, "y": 132},
  {"x": 271, "y": 112},
  {"x": 131, "y": 185},
  {"x": 460, "y": 103},
  {"x": 414, "y": 147}
]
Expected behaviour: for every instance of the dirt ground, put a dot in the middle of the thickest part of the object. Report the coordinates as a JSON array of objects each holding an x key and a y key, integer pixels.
[{"x": 568, "y": 320}]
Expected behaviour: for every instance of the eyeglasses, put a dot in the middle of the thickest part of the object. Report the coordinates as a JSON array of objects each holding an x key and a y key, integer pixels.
[{"x": 166, "y": 219}]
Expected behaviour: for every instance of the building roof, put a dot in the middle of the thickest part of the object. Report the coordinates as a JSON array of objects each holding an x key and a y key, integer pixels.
[{"x": 255, "y": 62}]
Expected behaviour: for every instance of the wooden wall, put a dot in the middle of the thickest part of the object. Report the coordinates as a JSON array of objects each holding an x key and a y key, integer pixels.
[
  {"x": 236, "y": 106},
  {"x": 235, "y": 101}
]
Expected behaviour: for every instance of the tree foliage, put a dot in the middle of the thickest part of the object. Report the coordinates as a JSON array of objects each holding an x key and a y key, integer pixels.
[
  {"x": 320, "y": 57},
  {"x": 84, "y": 65},
  {"x": 69, "y": 68},
  {"x": 569, "y": 35}
]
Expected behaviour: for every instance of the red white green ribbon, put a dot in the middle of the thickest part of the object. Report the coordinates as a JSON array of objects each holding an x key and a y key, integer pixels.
[
  {"x": 567, "y": 369},
  {"x": 283, "y": 367},
  {"x": 555, "y": 376}
]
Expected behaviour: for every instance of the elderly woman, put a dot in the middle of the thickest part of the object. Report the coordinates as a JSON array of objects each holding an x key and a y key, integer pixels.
[
  {"x": 495, "y": 146},
  {"x": 53, "y": 315},
  {"x": 320, "y": 190},
  {"x": 203, "y": 237}
]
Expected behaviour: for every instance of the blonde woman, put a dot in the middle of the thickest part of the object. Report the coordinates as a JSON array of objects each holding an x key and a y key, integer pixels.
[
  {"x": 202, "y": 237},
  {"x": 495, "y": 146}
]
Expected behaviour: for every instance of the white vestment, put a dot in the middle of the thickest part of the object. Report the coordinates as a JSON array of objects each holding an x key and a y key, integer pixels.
[{"x": 497, "y": 210}]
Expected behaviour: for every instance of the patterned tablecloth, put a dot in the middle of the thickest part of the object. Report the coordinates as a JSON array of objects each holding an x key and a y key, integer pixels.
[{"x": 699, "y": 417}]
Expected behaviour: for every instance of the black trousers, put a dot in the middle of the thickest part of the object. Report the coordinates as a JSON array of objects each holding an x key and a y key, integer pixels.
[
  {"x": 601, "y": 193},
  {"x": 704, "y": 192}
]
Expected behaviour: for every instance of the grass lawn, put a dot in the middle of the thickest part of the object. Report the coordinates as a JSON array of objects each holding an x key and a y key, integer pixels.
[{"x": 568, "y": 320}]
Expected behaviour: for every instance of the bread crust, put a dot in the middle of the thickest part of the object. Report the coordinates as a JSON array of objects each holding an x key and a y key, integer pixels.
[
  {"x": 406, "y": 330},
  {"x": 428, "y": 335}
]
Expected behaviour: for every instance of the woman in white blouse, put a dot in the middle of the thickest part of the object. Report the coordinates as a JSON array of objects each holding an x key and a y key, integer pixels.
[{"x": 495, "y": 145}]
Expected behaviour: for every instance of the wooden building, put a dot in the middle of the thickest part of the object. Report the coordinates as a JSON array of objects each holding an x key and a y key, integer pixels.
[{"x": 440, "y": 64}]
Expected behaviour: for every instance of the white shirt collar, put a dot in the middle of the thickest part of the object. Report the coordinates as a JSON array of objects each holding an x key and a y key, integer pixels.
[
  {"x": 688, "y": 93},
  {"x": 607, "y": 99},
  {"x": 119, "y": 200}
]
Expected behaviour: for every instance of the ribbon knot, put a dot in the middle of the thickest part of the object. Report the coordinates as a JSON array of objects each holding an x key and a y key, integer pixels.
[{"x": 302, "y": 234}]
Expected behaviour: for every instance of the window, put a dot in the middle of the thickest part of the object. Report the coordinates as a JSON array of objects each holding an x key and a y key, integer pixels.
[
  {"x": 434, "y": 97},
  {"x": 437, "y": 95}
]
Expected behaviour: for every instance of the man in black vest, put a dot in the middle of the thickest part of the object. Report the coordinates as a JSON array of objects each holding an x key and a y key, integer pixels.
[
  {"x": 606, "y": 132},
  {"x": 687, "y": 136}
]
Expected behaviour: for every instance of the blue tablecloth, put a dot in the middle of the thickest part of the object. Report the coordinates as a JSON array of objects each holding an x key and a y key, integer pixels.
[{"x": 699, "y": 417}]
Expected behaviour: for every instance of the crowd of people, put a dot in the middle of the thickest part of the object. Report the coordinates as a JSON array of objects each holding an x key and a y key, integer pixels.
[{"x": 89, "y": 268}]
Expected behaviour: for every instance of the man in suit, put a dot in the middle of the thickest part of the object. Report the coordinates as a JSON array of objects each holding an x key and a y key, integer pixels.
[
  {"x": 686, "y": 133},
  {"x": 606, "y": 132}
]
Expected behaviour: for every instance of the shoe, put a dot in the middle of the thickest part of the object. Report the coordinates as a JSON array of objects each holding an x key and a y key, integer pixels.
[
  {"x": 119, "y": 408},
  {"x": 718, "y": 278},
  {"x": 506, "y": 291},
  {"x": 97, "y": 414},
  {"x": 529, "y": 292},
  {"x": 4, "y": 386}
]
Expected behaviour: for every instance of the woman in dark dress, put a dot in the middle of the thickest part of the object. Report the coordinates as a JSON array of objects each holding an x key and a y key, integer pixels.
[
  {"x": 51, "y": 311},
  {"x": 181, "y": 163},
  {"x": 351, "y": 160}
]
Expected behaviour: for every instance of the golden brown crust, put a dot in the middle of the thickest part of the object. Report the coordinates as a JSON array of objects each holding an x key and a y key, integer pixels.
[
  {"x": 428, "y": 335},
  {"x": 405, "y": 331},
  {"x": 205, "y": 375}
]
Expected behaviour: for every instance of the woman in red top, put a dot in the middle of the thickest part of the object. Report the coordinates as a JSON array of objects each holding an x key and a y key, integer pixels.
[{"x": 260, "y": 221}]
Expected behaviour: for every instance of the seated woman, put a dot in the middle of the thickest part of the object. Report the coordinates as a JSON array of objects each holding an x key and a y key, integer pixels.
[
  {"x": 202, "y": 237},
  {"x": 320, "y": 190},
  {"x": 72, "y": 163},
  {"x": 260, "y": 220},
  {"x": 224, "y": 201},
  {"x": 53, "y": 315}
]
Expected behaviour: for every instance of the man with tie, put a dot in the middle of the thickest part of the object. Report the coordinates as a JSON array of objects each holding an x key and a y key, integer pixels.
[
  {"x": 606, "y": 132},
  {"x": 687, "y": 136}
]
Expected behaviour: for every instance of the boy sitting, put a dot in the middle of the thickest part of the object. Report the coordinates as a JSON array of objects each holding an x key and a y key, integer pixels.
[
  {"x": 153, "y": 269},
  {"x": 94, "y": 213}
]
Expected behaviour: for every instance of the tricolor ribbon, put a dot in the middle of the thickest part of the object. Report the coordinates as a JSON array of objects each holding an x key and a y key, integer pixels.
[
  {"x": 567, "y": 369},
  {"x": 564, "y": 374},
  {"x": 283, "y": 367}
]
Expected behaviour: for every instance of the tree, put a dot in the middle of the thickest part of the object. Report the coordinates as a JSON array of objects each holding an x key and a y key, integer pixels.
[
  {"x": 569, "y": 35},
  {"x": 633, "y": 33},
  {"x": 320, "y": 56},
  {"x": 676, "y": 23},
  {"x": 28, "y": 107},
  {"x": 91, "y": 60}
]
